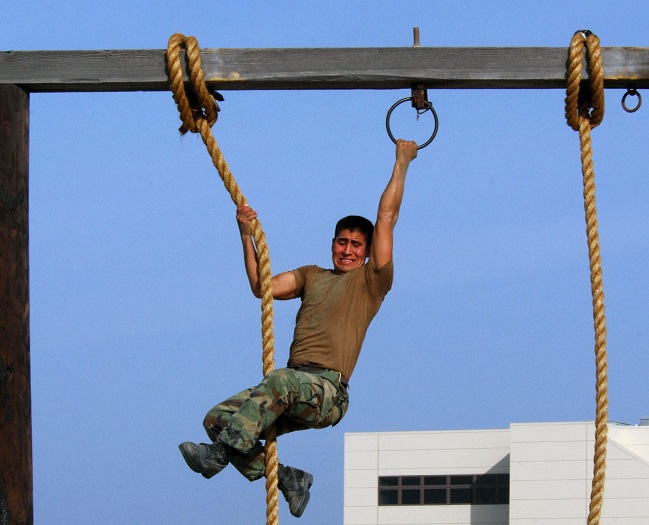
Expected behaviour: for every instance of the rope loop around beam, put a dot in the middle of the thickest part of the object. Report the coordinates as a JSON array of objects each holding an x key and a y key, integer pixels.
[
  {"x": 582, "y": 114},
  {"x": 579, "y": 102},
  {"x": 197, "y": 104},
  {"x": 198, "y": 112}
]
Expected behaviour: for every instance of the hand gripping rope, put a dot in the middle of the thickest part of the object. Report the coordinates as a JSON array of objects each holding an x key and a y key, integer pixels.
[
  {"x": 198, "y": 112},
  {"x": 585, "y": 111}
]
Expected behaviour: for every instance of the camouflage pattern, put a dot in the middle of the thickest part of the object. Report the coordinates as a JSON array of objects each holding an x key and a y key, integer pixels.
[{"x": 290, "y": 399}]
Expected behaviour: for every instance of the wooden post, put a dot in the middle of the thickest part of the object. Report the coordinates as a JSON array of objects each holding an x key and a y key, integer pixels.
[{"x": 16, "y": 493}]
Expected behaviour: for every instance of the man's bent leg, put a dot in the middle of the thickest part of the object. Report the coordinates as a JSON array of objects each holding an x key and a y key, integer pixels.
[
  {"x": 279, "y": 391},
  {"x": 289, "y": 399},
  {"x": 251, "y": 465}
]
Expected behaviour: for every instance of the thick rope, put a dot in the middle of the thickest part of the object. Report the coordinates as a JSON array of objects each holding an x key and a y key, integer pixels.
[
  {"x": 584, "y": 112},
  {"x": 198, "y": 112}
]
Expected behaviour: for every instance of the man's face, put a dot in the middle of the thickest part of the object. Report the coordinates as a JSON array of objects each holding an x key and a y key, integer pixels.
[{"x": 348, "y": 250}]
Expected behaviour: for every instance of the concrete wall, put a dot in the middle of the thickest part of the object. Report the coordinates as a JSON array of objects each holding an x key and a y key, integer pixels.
[
  {"x": 550, "y": 466},
  {"x": 552, "y": 471},
  {"x": 370, "y": 455}
]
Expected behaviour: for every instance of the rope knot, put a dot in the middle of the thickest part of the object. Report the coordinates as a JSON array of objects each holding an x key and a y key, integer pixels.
[
  {"x": 196, "y": 102},
  {"x": 588, "y": 104}
]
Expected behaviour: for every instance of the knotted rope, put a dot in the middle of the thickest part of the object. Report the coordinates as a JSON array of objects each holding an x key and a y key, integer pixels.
[
  {"x": 585, "y": 111},
  {"x": 198, "y": 112}
]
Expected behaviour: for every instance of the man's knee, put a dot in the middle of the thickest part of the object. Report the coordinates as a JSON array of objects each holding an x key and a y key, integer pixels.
[{"x": 212, "y": 426}]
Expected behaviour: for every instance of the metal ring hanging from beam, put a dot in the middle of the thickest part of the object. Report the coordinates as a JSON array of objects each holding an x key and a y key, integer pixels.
[
  {"x": 419, "y": 99},
  {"x": 631, "y": 91},
  {"x": 428, "y": 106}
]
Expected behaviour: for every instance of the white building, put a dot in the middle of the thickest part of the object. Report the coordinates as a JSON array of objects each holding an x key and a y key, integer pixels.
[{"x": 529, "y": 474}]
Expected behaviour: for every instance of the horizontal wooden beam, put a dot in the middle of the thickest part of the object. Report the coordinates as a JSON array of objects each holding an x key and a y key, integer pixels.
[{"x": 319, "y": 68}]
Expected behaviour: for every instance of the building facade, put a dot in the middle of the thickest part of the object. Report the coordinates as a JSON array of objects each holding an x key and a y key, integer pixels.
[{"x": 529, "y": 474}]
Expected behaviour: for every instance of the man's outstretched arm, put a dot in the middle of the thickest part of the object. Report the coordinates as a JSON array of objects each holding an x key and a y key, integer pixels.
[
  {"x": 390, "y": 203},
  {"x": 283, "y": 284}
]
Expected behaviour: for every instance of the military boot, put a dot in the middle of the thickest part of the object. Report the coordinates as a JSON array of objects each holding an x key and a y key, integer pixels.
[
  {"x": 207, "y": 460},
  {"x": 295, "y": 484}
]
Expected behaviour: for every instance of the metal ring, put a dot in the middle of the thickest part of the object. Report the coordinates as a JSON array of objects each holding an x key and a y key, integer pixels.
[
  {"x": 432, "y": 109},
  {"x": 633, "y": 93}
]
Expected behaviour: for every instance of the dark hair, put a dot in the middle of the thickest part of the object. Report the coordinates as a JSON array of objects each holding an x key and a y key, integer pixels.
[{"x": 356, "y": 222}]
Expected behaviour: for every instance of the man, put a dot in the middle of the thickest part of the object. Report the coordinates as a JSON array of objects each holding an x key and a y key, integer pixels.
[{"x": 337, "y": 308}]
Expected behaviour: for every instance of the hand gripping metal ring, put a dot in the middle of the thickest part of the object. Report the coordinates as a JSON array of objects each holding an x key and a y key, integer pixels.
[{"x": 432, "y": 109}]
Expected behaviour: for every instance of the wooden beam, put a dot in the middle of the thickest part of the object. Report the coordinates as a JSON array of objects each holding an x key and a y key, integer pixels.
[
  {"x": 325, "y": 68},
  {"x": 15, "y": 392}
]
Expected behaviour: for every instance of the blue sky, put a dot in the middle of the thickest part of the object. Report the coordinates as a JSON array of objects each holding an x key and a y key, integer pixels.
[{"x": 141, "y": 317}]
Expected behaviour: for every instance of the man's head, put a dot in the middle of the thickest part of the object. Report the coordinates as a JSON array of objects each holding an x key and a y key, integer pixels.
[{"x": 352, "y": 242}]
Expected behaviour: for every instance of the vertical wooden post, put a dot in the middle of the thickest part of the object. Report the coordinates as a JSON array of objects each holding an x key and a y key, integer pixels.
[{"x": 16, "y": 492}]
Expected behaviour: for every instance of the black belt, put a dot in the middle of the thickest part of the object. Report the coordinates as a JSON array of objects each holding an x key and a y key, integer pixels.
[{"x": 314, "y": 369}]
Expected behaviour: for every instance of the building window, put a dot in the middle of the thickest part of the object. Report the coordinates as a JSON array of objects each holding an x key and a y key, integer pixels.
[{"x": 485, "y": 489}]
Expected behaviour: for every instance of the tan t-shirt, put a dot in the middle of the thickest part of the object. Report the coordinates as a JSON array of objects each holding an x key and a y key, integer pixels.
[{"x": 336, "y": 310}]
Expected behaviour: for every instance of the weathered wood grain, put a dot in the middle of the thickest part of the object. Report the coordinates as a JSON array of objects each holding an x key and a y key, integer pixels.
[
  {"x": 15, "y": 389},
  {"x": 324, "y": 68}
]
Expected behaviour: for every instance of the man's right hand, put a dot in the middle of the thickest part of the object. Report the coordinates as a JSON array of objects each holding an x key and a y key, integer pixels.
[
  {"x": 245, "y": 216},
  {"x": 283, "y": 284}
]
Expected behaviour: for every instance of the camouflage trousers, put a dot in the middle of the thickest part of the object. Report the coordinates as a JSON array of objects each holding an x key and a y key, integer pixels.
[{"x": 288, "y": 399}]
